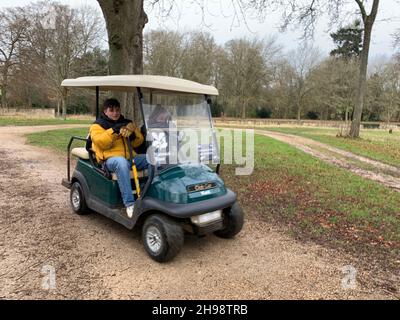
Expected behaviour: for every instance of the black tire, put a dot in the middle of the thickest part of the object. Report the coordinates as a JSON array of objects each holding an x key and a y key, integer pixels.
[
  {"x": 162, "y": 237},
  {"x": 233, "y": 222},
  {"x": 77, "y": 199}
]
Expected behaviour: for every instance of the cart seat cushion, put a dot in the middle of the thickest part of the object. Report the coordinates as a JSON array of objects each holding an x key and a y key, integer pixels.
[
  {"x": 141, "y": 174},
  {"x": 81, "y": 153}
]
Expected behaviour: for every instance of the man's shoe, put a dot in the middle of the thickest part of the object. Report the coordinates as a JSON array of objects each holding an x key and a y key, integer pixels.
[{"x": 130, "y": 210}]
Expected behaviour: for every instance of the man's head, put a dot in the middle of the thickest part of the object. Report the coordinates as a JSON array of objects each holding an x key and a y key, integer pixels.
[
  {"x": 112, "y": 109},
  {"x": 160, "y": 115}
]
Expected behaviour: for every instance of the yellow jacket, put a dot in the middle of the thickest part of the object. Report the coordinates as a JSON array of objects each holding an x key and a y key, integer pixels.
[{"x": 107, "y": 144}]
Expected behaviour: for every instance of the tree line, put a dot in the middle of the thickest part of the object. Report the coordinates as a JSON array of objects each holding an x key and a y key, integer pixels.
[
  {"x": 42, "y": 44},
  {"x": 255, "y": 77}
]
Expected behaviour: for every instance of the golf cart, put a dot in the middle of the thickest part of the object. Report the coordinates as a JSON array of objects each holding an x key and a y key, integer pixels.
[{"x": 182, "y": 190}]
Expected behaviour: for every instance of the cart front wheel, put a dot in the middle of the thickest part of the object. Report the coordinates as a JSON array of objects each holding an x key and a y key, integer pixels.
[
  {"x": 233, "y": 222},
  {"x": 162, "y": 237}
]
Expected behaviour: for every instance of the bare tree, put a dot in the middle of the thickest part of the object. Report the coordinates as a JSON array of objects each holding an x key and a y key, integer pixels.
[
  {"x": 163, "y": 51},
  {"x": 303, "y": 61},
  {"x": 191, "y": 55},
  {"x": 13, "y": 26},
  {"x": 391, "y": 90},
  {"x": 306, "y": 14},
  {"x": 56, "y": 47},
  {"x": 334, "y": 85},
  {"x": 368, "y": 20},
  {"x": 244, "y": 71},
  {"x": 198, "y": 62},
  {"x": 283, "y": 88}
]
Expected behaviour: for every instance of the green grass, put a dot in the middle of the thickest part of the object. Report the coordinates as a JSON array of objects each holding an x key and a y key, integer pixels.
[
  {"x": 18, "y": 121},
  {"x": 57, "y": 139},
  {"x": 374, "y": 144},
  {"x": 308, "y": 198},
  {"x": 318, "y": 201}
]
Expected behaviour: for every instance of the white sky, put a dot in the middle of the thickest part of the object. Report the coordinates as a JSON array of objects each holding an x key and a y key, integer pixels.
[{"x": 221, "y": 24}]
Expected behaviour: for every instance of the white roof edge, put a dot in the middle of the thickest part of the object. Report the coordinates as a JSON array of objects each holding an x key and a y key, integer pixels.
[{"x": 123, "y": 82}]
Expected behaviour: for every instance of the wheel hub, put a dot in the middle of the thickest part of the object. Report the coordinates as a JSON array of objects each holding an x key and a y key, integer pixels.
[
  {"x": 153, "y": 239},
  {"x": 76, "y": 199}
]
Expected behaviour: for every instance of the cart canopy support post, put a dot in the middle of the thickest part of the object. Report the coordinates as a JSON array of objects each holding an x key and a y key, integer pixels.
[{"x": 97, "y": 101}]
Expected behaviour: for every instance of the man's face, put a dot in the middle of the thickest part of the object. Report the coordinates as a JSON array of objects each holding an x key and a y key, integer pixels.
[
  {"x": 113, "y": 113},
  {"x": 163, "y": 117}
]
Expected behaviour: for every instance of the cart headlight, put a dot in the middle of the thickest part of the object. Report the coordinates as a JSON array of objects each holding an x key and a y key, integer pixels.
[{"x": 207, "y": 218}]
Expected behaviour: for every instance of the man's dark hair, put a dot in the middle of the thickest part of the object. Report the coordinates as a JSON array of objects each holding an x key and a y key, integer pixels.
[{"x": 112, "y": 102}]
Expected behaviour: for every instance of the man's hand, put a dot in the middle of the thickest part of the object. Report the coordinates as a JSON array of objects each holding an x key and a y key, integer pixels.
[
  {"x": 125, "y": 132},
  {"x": 131, "y": 127},
  {"x": 128, "y": 130},
  {"x": 117, "y": 127}
]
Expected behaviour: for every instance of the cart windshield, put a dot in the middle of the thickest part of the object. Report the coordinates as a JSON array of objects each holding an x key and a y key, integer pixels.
[{"x": 180, "y": 128}]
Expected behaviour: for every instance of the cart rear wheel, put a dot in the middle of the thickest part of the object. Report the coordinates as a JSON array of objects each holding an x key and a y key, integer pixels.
[
  {"x": 77, "y": 198},
  {"x": 233, "y": 222},
  {"x": 162, "y": 237}
]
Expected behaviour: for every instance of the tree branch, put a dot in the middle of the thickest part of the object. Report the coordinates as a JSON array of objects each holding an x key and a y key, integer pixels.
[
  {"x": 362, "y": 9},
  {"x": 374, "y": 10},
  {"x": 3, "y": 53}
]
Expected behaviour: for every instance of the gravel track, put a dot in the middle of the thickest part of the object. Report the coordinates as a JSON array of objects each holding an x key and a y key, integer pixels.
[
  {"x": 95, "y": 258},
  {"x": 340, "y": 158}
]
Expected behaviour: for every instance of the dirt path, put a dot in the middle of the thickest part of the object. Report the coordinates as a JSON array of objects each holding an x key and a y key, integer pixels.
[
  {"x": 96, "y": 258},
  {"x": 380, "y": 172}
]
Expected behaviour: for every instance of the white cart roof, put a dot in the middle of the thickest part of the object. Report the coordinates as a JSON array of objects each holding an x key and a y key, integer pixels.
[{"x": 130, "y": 82}]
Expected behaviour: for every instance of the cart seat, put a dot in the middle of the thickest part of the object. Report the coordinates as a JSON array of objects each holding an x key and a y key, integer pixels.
[{"x": 81, "y": 153}]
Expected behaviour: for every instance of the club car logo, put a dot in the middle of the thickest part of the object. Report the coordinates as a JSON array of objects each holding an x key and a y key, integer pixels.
[{"x": 201, "y": 187}]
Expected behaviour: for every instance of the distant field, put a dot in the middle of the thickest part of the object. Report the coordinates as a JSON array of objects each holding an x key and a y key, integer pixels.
[
  {"x": 308, "y": 198},
  {"x": 19, "y": 121},
  {"x": 375, "y": 144}
]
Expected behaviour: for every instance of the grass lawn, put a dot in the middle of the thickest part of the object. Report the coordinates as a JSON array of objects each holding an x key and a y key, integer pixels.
[
  {"x": 19, "y": 121},
  {"x": 374, "y": 144},
  {"x": 57, "y": 139},
  {"x": 308, "y": 198}
]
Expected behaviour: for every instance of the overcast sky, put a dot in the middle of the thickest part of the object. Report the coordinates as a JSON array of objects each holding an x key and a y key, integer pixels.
[{"x": 220, "y": 22}]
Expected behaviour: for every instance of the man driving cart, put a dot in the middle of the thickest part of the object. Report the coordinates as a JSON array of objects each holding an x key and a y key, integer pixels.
[{"x": 110, "y": 135}]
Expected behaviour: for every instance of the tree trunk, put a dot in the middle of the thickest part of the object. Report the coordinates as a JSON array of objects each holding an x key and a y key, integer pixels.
[
  {"x": 243, "y": 109},
  {"x": 58, "y": 107},
  {"x": 125, "y": 21},
  {"x": 3, "y": 96},
  {"x": 389, "y": 108},
  {"x": 4, "y": 90},
  {"x": 63, "y": 108},
  {"x": 362, "y": 81},
  {"x": 298, "y": 103},
  {"x": 64, "y": 103}
]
